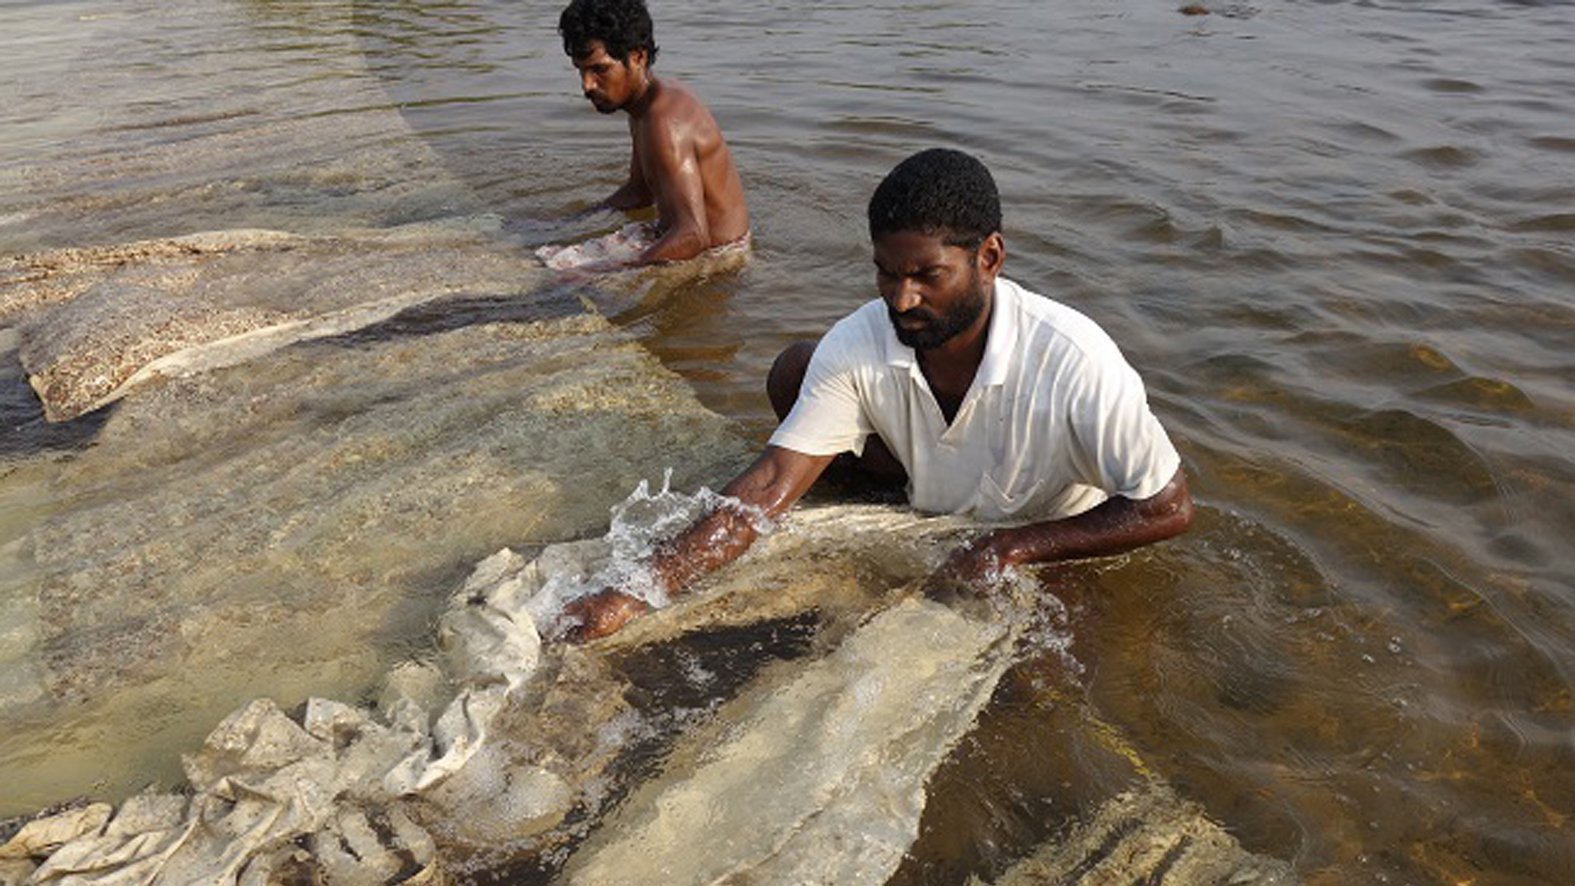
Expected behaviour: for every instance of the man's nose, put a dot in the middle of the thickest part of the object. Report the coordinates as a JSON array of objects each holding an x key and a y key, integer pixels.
[
  {"x": 903, "y": 296},
  {"x": 587, "y": 83}
]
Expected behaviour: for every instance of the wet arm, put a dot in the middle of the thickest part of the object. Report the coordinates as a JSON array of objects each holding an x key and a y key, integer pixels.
[
  {"x": 777, "y": 479},
  {"x": 1118, "y": 525},
  {"x": 680, "y": 201}
]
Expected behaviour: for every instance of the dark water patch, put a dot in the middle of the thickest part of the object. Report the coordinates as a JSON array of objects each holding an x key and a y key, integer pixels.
[
  {"x": 1366, "y": 132},
  {"x": 1478, "y": 393},
  {"x": 1512, "y": 546},
  {"x": 1555, "y": 264},
  {"x": 1451, "y": 85},
  {"x": 23, "y": 430},
  {"x": 1420, "y": 455},
  {"x": 446, "y": 315},
  {"x": 880, "y": 127},
  {"x": 695, "y": 672},
  {"x": 1560, "y": 143},
  {"x": 1558, "y": 222},
  {"x": 1278, "y": 220},
  {"x": 1443, "y": 157}
]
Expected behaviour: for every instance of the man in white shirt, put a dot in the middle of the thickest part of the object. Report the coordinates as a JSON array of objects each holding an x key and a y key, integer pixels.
[{"x": 991, "y": 400}]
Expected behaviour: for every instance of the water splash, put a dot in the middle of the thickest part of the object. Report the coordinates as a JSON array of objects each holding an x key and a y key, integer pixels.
[
  {"x": 1043, "y": 621},
  {"x": 639, "y": 525}
]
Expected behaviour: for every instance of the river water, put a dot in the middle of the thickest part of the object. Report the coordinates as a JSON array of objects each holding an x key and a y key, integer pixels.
[{"x": 1335, "y": 239}]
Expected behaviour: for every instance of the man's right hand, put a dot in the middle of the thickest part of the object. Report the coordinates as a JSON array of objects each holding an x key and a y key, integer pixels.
[{"x": 601, "y": 614}]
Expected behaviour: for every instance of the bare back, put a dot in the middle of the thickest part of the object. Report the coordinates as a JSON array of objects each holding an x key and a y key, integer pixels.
[{"x": 683, "y": 161}]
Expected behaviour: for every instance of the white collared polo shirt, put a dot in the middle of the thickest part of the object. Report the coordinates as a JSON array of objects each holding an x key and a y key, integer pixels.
[{"x": 1055, "y": 422}]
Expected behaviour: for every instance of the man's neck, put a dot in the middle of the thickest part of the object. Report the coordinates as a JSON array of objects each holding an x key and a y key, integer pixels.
[
  {"x": 641, "y": 103},
  {"x": 950, "y": 368}
]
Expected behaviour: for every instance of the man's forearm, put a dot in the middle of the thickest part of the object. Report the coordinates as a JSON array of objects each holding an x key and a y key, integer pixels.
[
  {"x": 764, "y": 491},
  {"x": 712, "y": 542},
  {"x": 1118, "y": 525}
]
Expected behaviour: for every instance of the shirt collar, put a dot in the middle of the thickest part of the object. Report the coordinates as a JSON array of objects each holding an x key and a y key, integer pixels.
[{"x": 998, "y": 342}]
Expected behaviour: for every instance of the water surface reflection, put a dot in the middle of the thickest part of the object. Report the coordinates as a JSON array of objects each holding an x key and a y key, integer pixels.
[{"x": 1333, "y": 237}]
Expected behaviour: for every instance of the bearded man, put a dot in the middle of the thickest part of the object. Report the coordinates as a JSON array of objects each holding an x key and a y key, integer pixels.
[
  {"x": 987, "y": 399},
  {"x": 678, "y": 163}
]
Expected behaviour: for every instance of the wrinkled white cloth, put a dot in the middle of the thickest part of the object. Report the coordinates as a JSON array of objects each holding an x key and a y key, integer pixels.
[
  {"x": 821, "y": 769},
  {"x": 620, "y": 249},
  {"x": 821, "y": 780},
  {"x": 262, "y": 780},
  {"x": 623, "y": 248}
]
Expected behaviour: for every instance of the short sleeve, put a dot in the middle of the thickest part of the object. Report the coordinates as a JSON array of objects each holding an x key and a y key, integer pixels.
[
  {"x": 828, "y": 417},
  {"x": 1119, "y": 446}
]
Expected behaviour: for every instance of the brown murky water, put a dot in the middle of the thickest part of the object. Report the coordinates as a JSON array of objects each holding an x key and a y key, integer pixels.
[{"x": 1334, "y": 237}]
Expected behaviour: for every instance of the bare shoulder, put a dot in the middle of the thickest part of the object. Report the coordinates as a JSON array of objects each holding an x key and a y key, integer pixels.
[{"x": 680, "y": 111}]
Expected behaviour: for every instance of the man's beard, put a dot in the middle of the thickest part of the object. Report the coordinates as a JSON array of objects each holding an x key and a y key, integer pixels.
[{"x": 941, "y": 328}]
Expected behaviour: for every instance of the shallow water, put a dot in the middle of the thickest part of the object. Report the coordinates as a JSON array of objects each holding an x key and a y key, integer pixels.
[{"x": 1334, "y": 237}]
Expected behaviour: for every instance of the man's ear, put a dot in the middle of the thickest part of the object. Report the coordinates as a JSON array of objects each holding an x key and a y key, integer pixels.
[
  {"x": 991, "y": 255},
  {"x": 637, "y": 58}
]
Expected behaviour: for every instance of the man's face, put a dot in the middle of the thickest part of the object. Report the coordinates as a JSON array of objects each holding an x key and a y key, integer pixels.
[
  {"x": 933, "y": 291},
  {"x": 609, "y": 83}
]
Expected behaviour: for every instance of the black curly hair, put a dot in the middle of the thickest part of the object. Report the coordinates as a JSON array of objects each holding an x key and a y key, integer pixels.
[
  {"x": 622, "y": 26},
  {"x": 938, "y": 191}
]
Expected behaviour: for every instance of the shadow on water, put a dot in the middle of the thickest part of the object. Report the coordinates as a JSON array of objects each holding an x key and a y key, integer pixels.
[
  {"x": 551, "y": 302},
  {"x": 23, "y": 430}
]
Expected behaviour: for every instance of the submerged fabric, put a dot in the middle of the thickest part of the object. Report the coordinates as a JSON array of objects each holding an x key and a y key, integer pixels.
[
  {"x": 1055, "y": 422},
  {"x": 820, "y": 780},
  {"x": 449, "y": 749},
  {"x": 95, "y": 323},
  {"x": 622, "y": 249}
]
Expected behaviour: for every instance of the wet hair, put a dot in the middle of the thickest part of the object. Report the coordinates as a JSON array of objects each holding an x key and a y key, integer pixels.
[
  {"x": 622, "y": 26},
  {"x": 939, "y": 191}
]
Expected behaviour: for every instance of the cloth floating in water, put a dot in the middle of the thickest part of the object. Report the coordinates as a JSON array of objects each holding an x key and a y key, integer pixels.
[
  {"x": 95, "y": 323},
  {"x": 620, "y": 249},
  {"x": 272, "y": 792}
]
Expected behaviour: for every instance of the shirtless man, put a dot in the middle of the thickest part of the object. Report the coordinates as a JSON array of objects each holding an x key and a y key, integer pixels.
[
  {"x": 679, "y": 161},
  {"x": 985, "y": 398}
]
